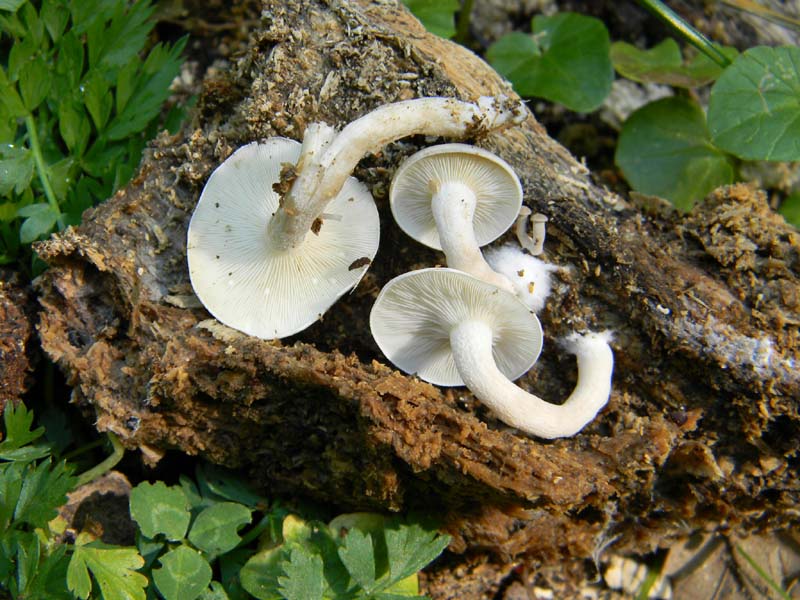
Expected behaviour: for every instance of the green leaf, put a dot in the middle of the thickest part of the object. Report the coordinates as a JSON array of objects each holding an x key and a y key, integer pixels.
[
  {"x": 12, "y": 26},
  {"x": 16, "y": 168},
  {"x": 358, "y": 556},
  {"x": 126, "y": 83},
  {"x": 9, "y": 98},
  {"x": 17, "y": 423},
  {"x": 11, "y": 475},
  {"x": 754, "y": 109},
  {"x": 214, "y": 480},
  {"x": 790, "y": 209},
  {"x": 44, "y": 489},
  {"x": 215, "y": 529},
  {"x": 28, "y": 554},
  {"x": 438, "y": 16},
  {"x": 303, "y": 577},
  {"x": 230, "y": 565},
  {"x": 34, "y": 27},
  {"x": 40, "y": 220},
  {"x": 11, "y": 5},
  {"x": 411, "y": 546},
  {"x": 152, "y": 88},
  {"x": 565, "y": 60},
  {"x": 21, "y": 53},
  {"x": 159, "y": 509},
  {"x": 513, "y": 56},
  {"x": 69, "y": 61},
  {"x": 114, "y": 570},
  {"x": 74, "y": 127},
  {"x": 86, "y": 12},
  {"x": 149, "y": 549},
  {"x": 55, "y": 15},
  {"x": 34, "y": 82},
  {"x": 113, "y": 44},
  {"x": 184, "y": 574},
  {"x": 84, "y": 195},
  {"x": 40, "y": 572},
  {"x": 192, "y": 494},
  {"x": 665, "y": 150},
  {"x": 259, "y": 575},
  {"x": 215, "y": 592},
  {"x": 664, "y": 64},
  {"x": 97, "y": 97},
  {"x": 101, "y": 159},
  {"x": 60, "y": 176}
]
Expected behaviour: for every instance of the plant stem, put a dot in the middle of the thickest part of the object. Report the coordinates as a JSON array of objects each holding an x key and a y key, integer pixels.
[
  {"x": 462, "y": 25},
  {"x": 763, "y": 574},
  {"x": 41, "y": 168},
  {"x": 686, "y": 31},
  {"x": 256, "y": 531},
  {"x": 108, "y": 464},
  {"x": 85, "y": 448}
]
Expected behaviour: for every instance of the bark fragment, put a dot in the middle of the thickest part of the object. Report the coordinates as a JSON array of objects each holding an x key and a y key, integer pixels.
[{"x": 17, "y": 311}]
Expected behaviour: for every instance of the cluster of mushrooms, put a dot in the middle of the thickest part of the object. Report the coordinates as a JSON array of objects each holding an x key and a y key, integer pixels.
[{"x": 282, "y": 230}]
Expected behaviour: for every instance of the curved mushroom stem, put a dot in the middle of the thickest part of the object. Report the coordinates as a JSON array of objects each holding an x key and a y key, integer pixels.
[
  {"x": 471, "y": 343},
  {"x": 533, "y": 243},
  {"x": 453, "y": 205},
  {"x": 314, "y": 187}
]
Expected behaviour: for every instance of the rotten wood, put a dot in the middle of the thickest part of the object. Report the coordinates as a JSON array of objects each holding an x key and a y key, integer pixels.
[
  {"x": 700, "y": 432},
  {"x": 17, "y": 341}
]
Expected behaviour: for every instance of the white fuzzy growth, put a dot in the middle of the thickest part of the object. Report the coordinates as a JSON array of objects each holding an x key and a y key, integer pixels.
[
  {"x": 471, "y": 343},
  {"x": 530, "y": 276}
]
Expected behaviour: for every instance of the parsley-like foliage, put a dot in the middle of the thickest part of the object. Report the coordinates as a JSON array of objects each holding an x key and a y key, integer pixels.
[{"x": 78, "y": 102}]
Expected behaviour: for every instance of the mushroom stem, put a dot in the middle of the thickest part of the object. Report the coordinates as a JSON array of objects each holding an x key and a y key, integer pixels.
[
  {"x": 315, "y": 187},
  {"x": 453, "y": 205},
  {"x": 471, "y": 343},
  {"x": 533, "y": 243}
]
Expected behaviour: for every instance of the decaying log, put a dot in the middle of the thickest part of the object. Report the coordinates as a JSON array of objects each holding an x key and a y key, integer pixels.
[
  {"x": 702, "y": 427},
  {"x": 17, "y": 338}
]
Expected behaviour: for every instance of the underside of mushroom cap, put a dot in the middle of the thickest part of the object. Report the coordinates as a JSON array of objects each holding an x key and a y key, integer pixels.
[
  {"x": 241, "y": 279},
  {"x": 415, "y": 312},
  {"x": 497, "y": 190}
]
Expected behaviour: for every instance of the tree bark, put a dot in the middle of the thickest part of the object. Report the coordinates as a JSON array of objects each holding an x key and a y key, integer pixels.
[{"x": 702, "y": 426}]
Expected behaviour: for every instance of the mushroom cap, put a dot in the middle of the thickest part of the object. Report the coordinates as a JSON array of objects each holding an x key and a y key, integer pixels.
[
  {"x": 237, "y": 274},
  {"x": 497, "y": 190},
  {"x": 414, "y": 313}
]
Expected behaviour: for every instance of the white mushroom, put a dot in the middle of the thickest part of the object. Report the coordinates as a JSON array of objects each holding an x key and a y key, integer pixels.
[
  {"x": 426, "y": 320},
  {"x": 242, "y": 278},
  {"x": 320, "y": 179},
  {"x": 533, "y": 242},
  {"x": 456, "y": 198},
  {"x": 270, "y": 263},
  {"x": 415, "y": 312}
]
